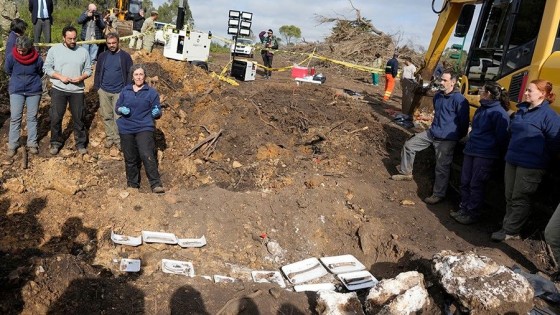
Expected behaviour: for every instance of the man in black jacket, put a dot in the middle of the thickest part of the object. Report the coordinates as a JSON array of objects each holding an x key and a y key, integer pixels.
[
  {"x": 92, "y": 29},
  {"x": 41, "y": 17},
  {"x": 269, "y": 42},
  {"x": 137, "y": 21}
]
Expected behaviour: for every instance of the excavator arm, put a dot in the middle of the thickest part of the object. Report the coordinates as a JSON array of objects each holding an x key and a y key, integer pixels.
[{"x": 448, "y": 16}]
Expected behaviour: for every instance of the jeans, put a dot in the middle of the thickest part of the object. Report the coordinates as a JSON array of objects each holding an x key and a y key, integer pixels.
[
  {"x": 408, "y": 86},
  {"x": 59, "y": 99},
  {"x": 43, "y": 26},
  {"x": 475, "y": 174},
  {"x": 267, "y": 60},
  {"x": 17, "y": 102},
  {"x": 444, "y": 157},
  {"x": 92, "y": 50},
  {"x": 521, "y": 183},
  {"x": 138, "y": 149},
  {"x": 107, "y": 102},
  {"x": 552, "y": 233}
]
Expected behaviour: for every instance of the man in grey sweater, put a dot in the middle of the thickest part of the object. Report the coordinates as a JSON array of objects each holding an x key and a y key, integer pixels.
[{"x": 67, "y": 65}]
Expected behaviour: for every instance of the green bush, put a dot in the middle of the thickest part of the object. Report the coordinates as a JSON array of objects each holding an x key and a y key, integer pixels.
[{"x": 217, "y": 48}]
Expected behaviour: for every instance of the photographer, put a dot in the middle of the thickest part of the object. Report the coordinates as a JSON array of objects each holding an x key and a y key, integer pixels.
[{"x": 92, "y": 29}]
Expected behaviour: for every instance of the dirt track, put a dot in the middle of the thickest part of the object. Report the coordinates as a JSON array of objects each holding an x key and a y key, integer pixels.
[{"x": 305, "y": 165}]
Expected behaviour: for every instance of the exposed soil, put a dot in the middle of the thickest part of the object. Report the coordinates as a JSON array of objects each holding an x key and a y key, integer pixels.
[{"x": 306, "y": 166}]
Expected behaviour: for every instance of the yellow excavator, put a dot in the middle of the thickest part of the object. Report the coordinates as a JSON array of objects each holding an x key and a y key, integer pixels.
[
  {"x": 122, "y": 7},
  {"x": 514, "y": 42}
]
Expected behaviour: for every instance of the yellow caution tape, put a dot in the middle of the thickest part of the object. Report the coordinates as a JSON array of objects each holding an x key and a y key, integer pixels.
[{"x": 224, "y": 78}]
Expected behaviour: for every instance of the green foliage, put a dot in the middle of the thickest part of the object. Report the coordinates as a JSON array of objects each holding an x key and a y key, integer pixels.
[
  {"x": 167, "y": 12},
  {"x": 450, "y": 56},
  {"x": 289, "y": 32},
  {"x": 217, "y": 48}
]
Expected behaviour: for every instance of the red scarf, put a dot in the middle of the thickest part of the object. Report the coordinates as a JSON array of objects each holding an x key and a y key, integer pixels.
[{"x": 28, "y": 59}]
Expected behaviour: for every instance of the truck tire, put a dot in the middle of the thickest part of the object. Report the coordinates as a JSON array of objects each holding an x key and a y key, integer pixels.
[{"x": 201, "y": 64}]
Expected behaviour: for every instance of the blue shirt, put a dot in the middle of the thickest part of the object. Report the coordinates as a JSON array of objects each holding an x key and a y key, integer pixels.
[
  {"x": 534, "y": 136},
  {"x": 112, "y": 74},
  {"x": 489, "y": 134}
]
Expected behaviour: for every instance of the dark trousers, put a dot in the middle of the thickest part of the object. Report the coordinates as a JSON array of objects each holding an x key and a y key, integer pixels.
[
  {"x": 140, "y": 148},
  {"x": 42, "y": 26},
  {"x": 475, "y": 174},
  {"x": 59, "y": 99},
  {"x": 267, "y": 60},
  {"x": 521, "y": 184}
]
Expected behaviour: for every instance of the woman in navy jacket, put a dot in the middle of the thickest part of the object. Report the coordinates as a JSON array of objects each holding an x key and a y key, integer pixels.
[
  {"x": 139, "y": 106},
  {"x": 485, "y": 147},
  {"x": 534, "y": 139},
  {"x": 25, "y": 68}
]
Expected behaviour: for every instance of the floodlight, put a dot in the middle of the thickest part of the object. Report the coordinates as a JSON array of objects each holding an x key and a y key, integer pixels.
[
  {"x": 245, "y": 32},
  {"x": 233, "y": 22},
  {"x": 245, "y": 24},
  {"x": 234, "y": 14},
  {"x": 247, "y": 16},
  {"x": 232, "y": 30}
]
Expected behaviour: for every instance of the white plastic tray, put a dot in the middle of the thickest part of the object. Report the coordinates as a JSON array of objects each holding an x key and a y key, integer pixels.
[
  {"x": 342, "y": 264},
  {"x": 268, "y": 276},
  {"x": 192, "y": 242},
  {"x": 357, "y": 280},
  {"x": 159, "y": 237},
  {"x": 314, "y": 287},
  {"x": 177, "y": 267},
  {"x": 129, "y": 265},
  {"x": 305, "y": 270},
  {"x": 223, "y": 279},
  {"x": 126, "y": 240}
]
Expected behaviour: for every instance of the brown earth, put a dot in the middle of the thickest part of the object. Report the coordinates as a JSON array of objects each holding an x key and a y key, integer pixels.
[{"x": 306, "y": 166}]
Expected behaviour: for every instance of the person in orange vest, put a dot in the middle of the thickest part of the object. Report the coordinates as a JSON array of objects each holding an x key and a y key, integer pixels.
[{"x": 391, "y": 70}]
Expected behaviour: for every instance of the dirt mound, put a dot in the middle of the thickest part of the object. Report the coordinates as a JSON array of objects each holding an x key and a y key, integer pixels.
[{"x": 305, "y": 167}]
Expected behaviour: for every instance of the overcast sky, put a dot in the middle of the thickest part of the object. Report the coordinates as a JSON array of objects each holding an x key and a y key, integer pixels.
[{"x": 413, "y": 18}]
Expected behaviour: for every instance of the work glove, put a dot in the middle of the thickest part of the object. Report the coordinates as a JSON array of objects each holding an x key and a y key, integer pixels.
[
  {"x": 123, "y": 110},
  {"x": 156, "y": 112}
]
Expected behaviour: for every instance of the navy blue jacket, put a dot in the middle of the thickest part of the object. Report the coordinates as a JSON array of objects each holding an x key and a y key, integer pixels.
[
  {"x": 392, "y": 67},
  {"x": 141, "y": 104},
  {"x": 10, "y": 44},
  {"x": 126, "y": 63},
  {"x": 24, "y": 79},
  {"x": 451, "y": 116},
  {"x": 534, "y": 136},
  {"x": 99, "y": 25},
  {"x": 489, "y": 134}
]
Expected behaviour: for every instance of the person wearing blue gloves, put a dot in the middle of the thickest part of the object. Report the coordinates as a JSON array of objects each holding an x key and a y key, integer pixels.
[{"x": 138, "y": 106}]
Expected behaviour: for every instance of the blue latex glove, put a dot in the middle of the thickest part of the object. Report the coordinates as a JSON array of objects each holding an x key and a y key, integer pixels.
[
  {"x": 156, "y": 112},
  {"x": 124, "y": 110}
]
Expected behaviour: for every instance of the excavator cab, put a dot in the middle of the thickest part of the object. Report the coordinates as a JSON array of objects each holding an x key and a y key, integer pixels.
[{"x": 513, "y": 42}]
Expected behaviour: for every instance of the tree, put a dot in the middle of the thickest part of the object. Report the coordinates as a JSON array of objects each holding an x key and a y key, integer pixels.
[
  {"x": 167, "y": 12},
  {"x": 289, "y": 32}
]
